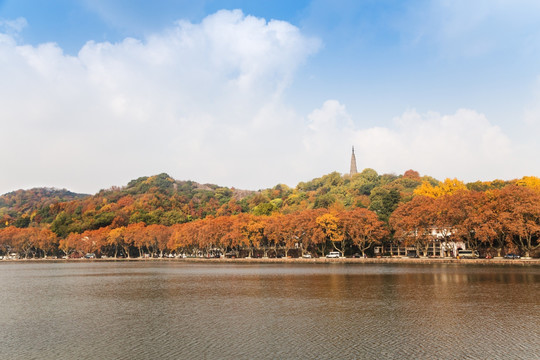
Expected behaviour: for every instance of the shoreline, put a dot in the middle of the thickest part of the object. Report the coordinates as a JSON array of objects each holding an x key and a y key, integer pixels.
[{"x": 390, "y": 260}]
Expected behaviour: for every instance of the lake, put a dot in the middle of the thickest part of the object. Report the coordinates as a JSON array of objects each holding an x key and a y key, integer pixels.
[{"x": 176, "y": 310}]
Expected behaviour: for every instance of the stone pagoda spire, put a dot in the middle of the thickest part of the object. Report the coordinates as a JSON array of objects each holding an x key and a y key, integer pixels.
[{"x": 353, "y": 163}]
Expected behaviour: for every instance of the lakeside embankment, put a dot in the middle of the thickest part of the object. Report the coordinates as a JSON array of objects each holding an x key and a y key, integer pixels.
[{"x": 391, "y": 260}]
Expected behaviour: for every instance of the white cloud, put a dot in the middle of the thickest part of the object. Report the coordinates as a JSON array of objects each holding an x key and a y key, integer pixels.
[
  {"x": 464, "y": 145},
  {"x": 205, "y": 102},
  {"x": 199, "y": 101}
]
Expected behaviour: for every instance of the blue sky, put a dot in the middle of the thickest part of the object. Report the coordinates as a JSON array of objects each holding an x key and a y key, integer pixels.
[{"x": 254, "y": 93}]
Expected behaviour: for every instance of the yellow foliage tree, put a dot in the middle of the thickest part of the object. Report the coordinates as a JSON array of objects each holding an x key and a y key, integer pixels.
[
  {"x": 448, "y": 186},
  {"x": 331, "y": 227},
  {"x": 529, "y": 181}
]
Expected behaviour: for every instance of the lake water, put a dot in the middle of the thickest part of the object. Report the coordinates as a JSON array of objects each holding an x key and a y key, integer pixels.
[{"x": 175, "y": 310}]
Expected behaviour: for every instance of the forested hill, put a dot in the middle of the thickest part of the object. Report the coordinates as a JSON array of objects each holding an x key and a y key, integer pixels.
[
  {"x": 163, "y": 200},
  {"x": 25, "y": 202},
  {"x": 153, "y": 200}
]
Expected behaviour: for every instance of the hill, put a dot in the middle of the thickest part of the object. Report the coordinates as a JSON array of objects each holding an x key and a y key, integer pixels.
[
  {"x": 159, "y": 215},
  {"x": 162, "y": 200},
  {"x": 21, "y": 205}
]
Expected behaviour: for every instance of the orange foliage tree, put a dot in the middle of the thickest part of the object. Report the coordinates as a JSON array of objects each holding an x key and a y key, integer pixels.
[
  {"x": 413, "y": 222},
  {"x": 363, "y": 228}
]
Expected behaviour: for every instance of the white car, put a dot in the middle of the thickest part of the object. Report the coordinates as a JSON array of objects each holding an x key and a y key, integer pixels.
[
  {"x": 333, "y": 254},
  {"x": 306, "y": 256}
]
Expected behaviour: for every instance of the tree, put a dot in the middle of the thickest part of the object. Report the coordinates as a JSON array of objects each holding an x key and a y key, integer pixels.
[
  {"x": 276, "y": 230},
  {"x": 460, "y": 214},
  {"x": 46, "y": 241},
  {"x": 530, "y": 181},
  {"x": 264, "y": 209},
  {"x": 413, "y": 222},
  {"x": 331, "y": 227},
  {"x": 252, "y": 231},
  {"x": 384, "y": 201},
  {"x": 221, "y": 232},
  {"x": 494, "y": 218},
  {"x": 8, "y": 239},
  {"x": 363, "y": 228},
  {"x": 525, "y": 214},
  {"x": 158, "y": 236},
  {"x": 135, "y": 234},
  {"x": 305, "y": 231},
  {"x": 115, "y": 238},
  {"x": 69, "y": 244},
  {"x": 411, "y": 174},
  {"x": 448, "y": 186},
  {"x": 26, "y": 239}
]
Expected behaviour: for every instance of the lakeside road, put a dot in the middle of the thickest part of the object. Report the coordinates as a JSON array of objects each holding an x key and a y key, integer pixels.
[{"x": 389, "y": 260}]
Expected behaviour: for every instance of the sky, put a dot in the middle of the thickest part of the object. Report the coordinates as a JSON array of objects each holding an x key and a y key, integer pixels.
[{"x": 250, "y": 94}]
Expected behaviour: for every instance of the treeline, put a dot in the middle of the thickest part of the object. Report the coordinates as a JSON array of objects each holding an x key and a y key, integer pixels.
[
  {"x": 158, "y": 215},
  {"x": 162, "y": 200},
  {"x": 494, "y": 220},
  {"x": 309, "y": 231}
]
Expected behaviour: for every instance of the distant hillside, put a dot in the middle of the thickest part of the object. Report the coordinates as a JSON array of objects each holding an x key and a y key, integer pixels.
[
  {"x": 24, "y": 200},
  {"x": 156, "y": 199},
  {"x": 21, "y": 204},
  {"x": 162, "y": 200}
]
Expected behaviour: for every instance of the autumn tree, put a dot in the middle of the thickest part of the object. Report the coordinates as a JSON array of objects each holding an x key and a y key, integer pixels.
[
  {"x": 252, "y": 229},
  {"x": 135, "y": 235},
  {"x": 332, "y": 228},
  {"x": 69, "y": 244},
  {"x": 532, "y": 182},
  {"x": 448, "y": 186},
  {"x": 158, "y": 237},
  {"x": 413, "y": 222},
  {"x": 495, "y": 217},
  {"x": 459, "y": 216},
  {"x": 8, "y": 239},
  {"x": 276, "y": 230},
  {"x": 363, "y": 228},
  {"x": 305, "y": 231},
  {"x": 115, "y": 238},
  {"x": 26, "y": 239},
  {"x": 48, "y": 241},
  {"x": 524, "y": 207},
  {"x": 94, "y": 241}
]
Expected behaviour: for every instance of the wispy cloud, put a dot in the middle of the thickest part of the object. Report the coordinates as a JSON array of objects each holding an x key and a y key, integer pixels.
[{"x": 13, "y": 27}]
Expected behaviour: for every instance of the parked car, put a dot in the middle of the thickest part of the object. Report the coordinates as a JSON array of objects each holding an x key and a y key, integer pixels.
[
  {"x": 333, "y": 254},
  {"x": 512, "y": 256},
  {"x": 306, "y": 256}
]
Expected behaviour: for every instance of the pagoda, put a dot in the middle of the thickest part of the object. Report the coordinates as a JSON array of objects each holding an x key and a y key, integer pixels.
[{"x": 353, "y": 163}]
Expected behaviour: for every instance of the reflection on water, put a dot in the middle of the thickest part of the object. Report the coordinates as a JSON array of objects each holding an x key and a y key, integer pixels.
[{"x": 175, "y": 310}]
